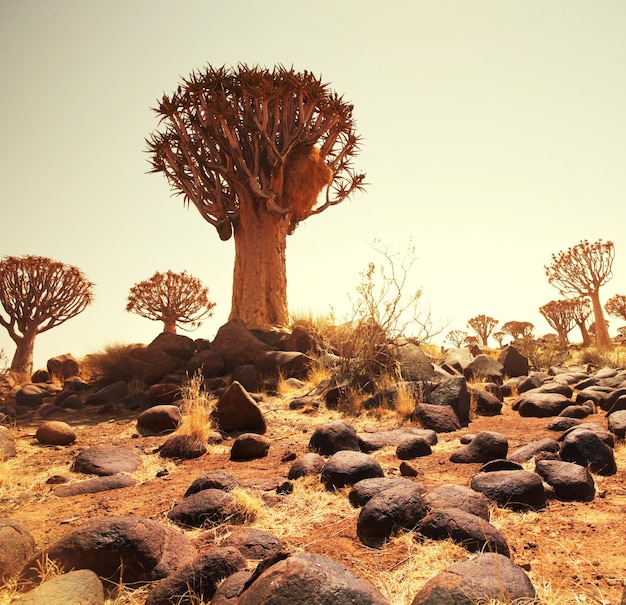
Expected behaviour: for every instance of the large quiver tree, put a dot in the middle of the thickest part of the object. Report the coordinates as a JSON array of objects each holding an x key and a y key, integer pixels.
[
  {"x": 579, "y": 271},
  {"x": 252, "y": 149},
  {"x": 37, "y": 294}
]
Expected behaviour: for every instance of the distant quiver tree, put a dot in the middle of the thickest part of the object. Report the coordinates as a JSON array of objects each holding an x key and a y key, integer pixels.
[
  {"x": 176, "y": 299},
  {"x": 616, "y": 306},
  {"x": 560, "y": 315},
  {"x": 483, "y": 325},
  {"x": 579, "y": 271},
  {"x": 253, "y": 150},
  {"x": 37, "y": 294}
]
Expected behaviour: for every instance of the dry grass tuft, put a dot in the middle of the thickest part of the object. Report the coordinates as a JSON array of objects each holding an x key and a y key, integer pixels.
[{"x": 196, "y": 409}]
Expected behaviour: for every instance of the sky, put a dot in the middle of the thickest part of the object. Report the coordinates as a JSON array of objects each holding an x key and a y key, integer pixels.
[{"x": 493, "y": 136}]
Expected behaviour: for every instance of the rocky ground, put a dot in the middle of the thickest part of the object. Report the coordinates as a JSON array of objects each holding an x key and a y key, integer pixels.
[{"x": 573, "y": 552}]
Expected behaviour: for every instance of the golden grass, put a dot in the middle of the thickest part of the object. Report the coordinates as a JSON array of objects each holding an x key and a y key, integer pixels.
[{"x": 196, "y": 409}]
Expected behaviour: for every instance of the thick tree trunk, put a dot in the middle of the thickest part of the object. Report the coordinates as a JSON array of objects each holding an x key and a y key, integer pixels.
[
  {"x": 584, "y": 333},
  {"x": 169, "y": 325},
  {"x": 603, "y": 340},
  {"x": 23, "y": 359},
  {"x": 563, "y": 339},
  {"x": 260, "y": 272}
]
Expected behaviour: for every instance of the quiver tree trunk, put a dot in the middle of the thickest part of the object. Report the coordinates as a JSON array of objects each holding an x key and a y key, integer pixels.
[
  {"x": 260, "y": 278},
  {"x": 603, "y": 340},
  {"x": 23, "y": 358}
]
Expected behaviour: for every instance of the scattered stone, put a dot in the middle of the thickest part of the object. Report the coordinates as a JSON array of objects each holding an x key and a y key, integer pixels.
[
  {"x": 530, "y": 450},
  {"x": 617, "y": 423},
  {"x": 398, "y": 507},
  {"x": 372, "y": 441},
  {"x": 454, "y": 394},
  {"x": 310, "y": 463},
  {"x": 63, "y": 366},
  {"x": 106, "y": 460},
  {"x": 228, "y": 591},
  {"x": 237, "y": 412},
  {"x": 362, "y": 491},
  {"x": 236, "y": 345},
  {"x": 517, "y": 490},
  {"x": 198, "y": 579},
  {"x": 96, "y": 485},
  {"x": 488, "y": 576},
  {"x": 540, "y": 405},
  {"x": 204, "y": 507},
  {"x": 561, "y": 423},
  {"x": 208, "y": 363},
  {"x": 332, "y": 437},
  {"x": 17, "y": 546},
  {"x": 69, "y": 401},
  {"x": 470, "y": 531},
  {"x": 438, "y": 418},
  {"x": 486, "y": 368},
  {"x": 55, "y": 432},
  {"x": 147, "y": 364},
  {"x": 458, "y": 496},
  {"x": 124, "y": 549},
  {"x": 289, "y": 364},
  {"x": 575, "y": 411},
  {"x": 111, "y": 393},
  {"x": 347, "y": 467},
  {"x": 587, "y": 449},
  {"x": 254, "y": 543},
  {"x": 183, "y": 447},
  {"x": 500, "y": 464},
  {"x": 250, "y": 446},
  {"x": 175, "y": 345},
  {"x": 31, "y": 395},
  {"x": 568, "y": 480},
  {"x": 213, "y": 480},
  {"x": 164, "y": 393},
  {"x": 413, "y": 447},
  {"x": 486, "y": 445},
  {"x": 487, "y": 404},
  {"x": 514, "y": 364},
  {"x": 159, "y": 420},
  {"x": 81, "y": 587},
  {"x": 308, "y": 579},
  {"x": 408, "y": 470}
]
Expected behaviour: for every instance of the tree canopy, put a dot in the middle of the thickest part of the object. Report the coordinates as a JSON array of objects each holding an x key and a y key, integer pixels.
[
  {"x": 176, "y": 299},
  {"x": 580, "y": 271},
  {"x": 252, "y": 149},
  {"x": 37, "y": 294}
]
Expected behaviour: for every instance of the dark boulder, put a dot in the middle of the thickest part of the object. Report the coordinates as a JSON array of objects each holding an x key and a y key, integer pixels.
[
  {"x": 237, "y": 411},
  {"x": 485, "y": 446},
  {"x": 568, "y": 480},
  {"x": 347, "y": 467},
  {"x": 128, "y": 549},
  {"x": 485, "y": 578},
  {"x": 458, "y": 496},
  {"x": 106, "y": 460},
  {"x": 470, "y": 531},
  {"x": 329, "y": 438},
  {"x": 517, "y": 490}
]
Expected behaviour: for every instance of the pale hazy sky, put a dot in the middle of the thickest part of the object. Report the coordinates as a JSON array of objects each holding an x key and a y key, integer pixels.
[{"x": 494, "y": 134}]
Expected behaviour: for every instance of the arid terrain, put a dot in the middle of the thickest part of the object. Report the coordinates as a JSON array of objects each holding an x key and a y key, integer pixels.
[{"x": 573, "y": 552}]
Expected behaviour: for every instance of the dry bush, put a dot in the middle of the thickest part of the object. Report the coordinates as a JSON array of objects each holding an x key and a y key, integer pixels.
[
  {"x": 102, "y": 364},
  {"x": 612, "y": 358},
  {"x": 542, "y": 353}
]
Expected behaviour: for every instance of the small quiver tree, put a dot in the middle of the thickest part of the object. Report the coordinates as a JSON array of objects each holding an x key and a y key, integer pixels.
[
  {"x": 37, "y": 294},
  {"x": 256, "y": 151},
  {"x": 616, "y": 306},
  {"x": 560, "y": 316},
  {"x": 176, "y": 299},
  {"x": 456, "y": 337},
  {"x": 518, "y": 329},
  {"x": 483, "y": 325},
  {"x": 579, "y": 271}
]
